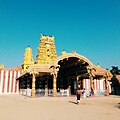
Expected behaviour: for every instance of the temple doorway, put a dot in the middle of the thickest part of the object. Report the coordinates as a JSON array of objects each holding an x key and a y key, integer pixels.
[{"x": 72, "y": 70}]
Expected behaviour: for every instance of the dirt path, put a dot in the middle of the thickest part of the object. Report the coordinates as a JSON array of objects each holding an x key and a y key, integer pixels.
[{"x": 17, "y": 107}]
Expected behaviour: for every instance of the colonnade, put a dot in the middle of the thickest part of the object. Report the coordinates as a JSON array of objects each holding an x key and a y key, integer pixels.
[{"x": 55, "y": 74}]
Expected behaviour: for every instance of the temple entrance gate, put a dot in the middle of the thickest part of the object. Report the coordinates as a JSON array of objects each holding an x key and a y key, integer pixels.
[{"x": 72, "y": 70}]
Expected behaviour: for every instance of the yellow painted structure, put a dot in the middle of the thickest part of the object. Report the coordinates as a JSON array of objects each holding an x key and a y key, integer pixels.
[
  {"x": 46, "y": 50},
  {"x": 28, "y": 59}
]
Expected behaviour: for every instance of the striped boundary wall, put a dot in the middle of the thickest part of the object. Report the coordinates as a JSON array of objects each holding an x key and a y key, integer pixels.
[
  {"x": 98, "y": 84},
  {"x": 8, "y": 82}
]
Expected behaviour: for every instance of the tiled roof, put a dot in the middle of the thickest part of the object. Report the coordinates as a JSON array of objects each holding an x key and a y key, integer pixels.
[
  {"x": 40, "y": 68},
  {"x": 101, "y": 72}
]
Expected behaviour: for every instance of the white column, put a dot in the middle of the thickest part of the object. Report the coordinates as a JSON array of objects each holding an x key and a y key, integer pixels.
[
  {"x": 6, "y": 82},
  {"x": 10, "y": 85},
  {"x": 1, "y": 81},
  {"x": 95, "y": 84},
  {"x": 87, "y": 87},
  {"x": 17, "y": 87},
  {"x": 14, "y": 80},
  {"x": 101, "y": 84}
]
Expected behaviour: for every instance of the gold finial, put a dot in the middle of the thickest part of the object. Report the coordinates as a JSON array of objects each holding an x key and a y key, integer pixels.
[
  {"x": 63, "y": 52},
  {"x": 98, "y": 66},
  {"x": 74, "y": 52}
]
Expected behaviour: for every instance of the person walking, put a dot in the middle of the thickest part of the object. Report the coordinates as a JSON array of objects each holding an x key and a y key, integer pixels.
[{"x": 78, "y": 93}]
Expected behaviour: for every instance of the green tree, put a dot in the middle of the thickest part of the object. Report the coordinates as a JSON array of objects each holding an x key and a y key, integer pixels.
[
  {"x": 115, "y": 70},
  {"x": 115, "y": 83}
]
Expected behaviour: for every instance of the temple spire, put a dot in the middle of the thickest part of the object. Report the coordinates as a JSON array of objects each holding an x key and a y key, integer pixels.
[
  {"x": 46, "y": 50},
  {"x": 28, "y": 59}
]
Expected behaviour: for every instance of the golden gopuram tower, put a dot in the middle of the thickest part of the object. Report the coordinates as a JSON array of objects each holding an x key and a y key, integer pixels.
[
  {"x": 28, "y": 59},
  {"x": 46, "y": 50}
]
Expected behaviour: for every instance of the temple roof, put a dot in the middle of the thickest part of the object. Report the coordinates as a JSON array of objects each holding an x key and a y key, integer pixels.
[
  {"x": 38, "y": 68},
  {"x": 98, "y": 71},
  {"x": 45, "y": 68},
  {"x": 73, "y": 54}
]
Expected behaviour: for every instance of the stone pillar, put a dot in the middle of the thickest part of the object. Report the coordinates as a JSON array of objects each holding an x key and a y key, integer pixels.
[
  {"x": 54, "y": 85},
  {"x": 107, "y": 87},
  {"x": 92, "y": 84},
  {"x": 55, "y": 71},
  {"x": 33, "y": 85}
]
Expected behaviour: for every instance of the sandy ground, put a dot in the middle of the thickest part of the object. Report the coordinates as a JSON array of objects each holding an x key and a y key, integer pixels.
[{"x": 17, "y": 107}]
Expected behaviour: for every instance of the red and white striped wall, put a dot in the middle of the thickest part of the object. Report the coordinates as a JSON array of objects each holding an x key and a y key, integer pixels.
[
  {"x": 8, "y": 82},
  {"x": 86, "y": 84},
  {"x": 98, "y": 84}
]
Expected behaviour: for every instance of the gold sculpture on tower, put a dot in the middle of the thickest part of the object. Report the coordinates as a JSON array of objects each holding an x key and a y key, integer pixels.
[{"x": 46, "y": 50}]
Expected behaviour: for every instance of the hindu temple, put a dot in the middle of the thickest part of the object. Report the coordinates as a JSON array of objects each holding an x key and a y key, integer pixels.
[{"x": 52, "y": 75}]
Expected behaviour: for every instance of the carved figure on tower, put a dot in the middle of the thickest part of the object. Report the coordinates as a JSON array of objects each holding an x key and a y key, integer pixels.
[{"x": 46, "y": 50}]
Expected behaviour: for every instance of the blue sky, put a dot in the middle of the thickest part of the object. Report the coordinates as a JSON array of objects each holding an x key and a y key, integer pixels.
[{"x": 91, "y": 27}]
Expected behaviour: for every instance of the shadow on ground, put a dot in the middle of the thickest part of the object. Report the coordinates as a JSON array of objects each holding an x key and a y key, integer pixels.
[
  {"x": 73, "y": 102},
  {"x": 118, "y": 106}
]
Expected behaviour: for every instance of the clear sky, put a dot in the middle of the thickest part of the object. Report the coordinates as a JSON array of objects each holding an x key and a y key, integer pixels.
[{"x": 91, "y": 27}]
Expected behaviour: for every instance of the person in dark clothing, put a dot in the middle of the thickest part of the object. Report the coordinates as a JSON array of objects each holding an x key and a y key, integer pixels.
[{"x": 78, "y": 93}]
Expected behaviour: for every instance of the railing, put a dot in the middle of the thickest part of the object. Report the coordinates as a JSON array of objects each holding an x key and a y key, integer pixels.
[
  {"x": 100, "y": 92},
  {"x": 64, "y": 92},
  {"x": 41, "y": 92},
  {"x": 23, "y": 92},
  {"x": 88, "y": 93},
  {"x": 50, "y": 92}
]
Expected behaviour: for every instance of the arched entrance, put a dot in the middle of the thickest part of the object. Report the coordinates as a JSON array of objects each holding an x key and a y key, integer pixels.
[{"x": 73, "y": 68}]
